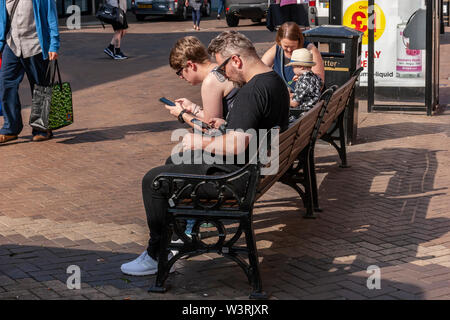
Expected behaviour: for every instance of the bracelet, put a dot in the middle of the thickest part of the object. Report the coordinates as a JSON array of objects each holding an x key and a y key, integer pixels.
[
  {"x": 180, "y": 116},
  {"x": 196, "y": 111}
]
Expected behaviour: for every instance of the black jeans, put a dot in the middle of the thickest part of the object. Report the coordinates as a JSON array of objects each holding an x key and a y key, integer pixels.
[{"x": 156, "y": 202}]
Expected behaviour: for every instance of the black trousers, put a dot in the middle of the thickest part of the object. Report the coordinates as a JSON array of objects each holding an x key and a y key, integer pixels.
[{"x": 156, "y": 202}]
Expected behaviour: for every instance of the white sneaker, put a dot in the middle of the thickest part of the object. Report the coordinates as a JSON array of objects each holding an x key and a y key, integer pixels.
[{"x": 143, "y": 265}]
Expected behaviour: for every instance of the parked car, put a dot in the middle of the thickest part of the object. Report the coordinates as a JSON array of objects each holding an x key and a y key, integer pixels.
[
  {"x": 256, "y": 10},
  {"x": 176, "y": 8}
]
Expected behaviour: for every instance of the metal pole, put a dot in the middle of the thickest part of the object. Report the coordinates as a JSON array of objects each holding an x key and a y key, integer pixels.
[
  {"x": 371, "y": 59},
  {"x": 335, "y": 12},
  {"x": 429, "y": 57}
]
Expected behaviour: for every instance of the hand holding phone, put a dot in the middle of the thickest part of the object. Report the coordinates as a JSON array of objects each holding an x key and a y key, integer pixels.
[
  {"x": 201, "y": 124},
  {"x": 167, "y": 101}
]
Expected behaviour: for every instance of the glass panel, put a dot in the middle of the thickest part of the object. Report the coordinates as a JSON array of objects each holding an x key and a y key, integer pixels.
[
  {"x": 399, "y": 48},
  {"x": 59, "y": 6},
  {"x": 83, "y": 4},
  {"x": 400, "y": 41}
]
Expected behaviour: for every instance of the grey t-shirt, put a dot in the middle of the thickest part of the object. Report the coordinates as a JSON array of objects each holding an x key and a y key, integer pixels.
[
  {"x": 22, "y": 38},
  {"x": 195, "y": 5}
]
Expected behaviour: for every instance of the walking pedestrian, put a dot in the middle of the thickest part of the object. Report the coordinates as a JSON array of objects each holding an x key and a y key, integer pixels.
[
  {"x": 196, "y": 6},
  {"x": 221, "y": 8},
  {"x": 29, "y": 38},
  {"x": 113, "y": 50}
]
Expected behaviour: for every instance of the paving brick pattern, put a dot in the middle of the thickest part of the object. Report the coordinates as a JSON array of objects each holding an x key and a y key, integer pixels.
[{"x": 76, "y": 200}]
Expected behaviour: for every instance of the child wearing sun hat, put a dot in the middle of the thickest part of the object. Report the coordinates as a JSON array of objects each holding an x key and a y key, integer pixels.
[{"x": 308, "y": 84}]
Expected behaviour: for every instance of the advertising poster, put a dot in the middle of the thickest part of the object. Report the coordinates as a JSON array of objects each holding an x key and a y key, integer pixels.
[{"x": 397, "y": 62}]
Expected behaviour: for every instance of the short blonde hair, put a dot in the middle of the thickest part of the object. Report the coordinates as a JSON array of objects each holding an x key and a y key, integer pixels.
[{"x": 187, "y": 48}]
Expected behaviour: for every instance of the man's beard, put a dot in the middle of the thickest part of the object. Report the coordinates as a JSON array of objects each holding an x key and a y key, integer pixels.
[
  {"x": 238, "y": 84},
  {"x": 239, "y": 81}
]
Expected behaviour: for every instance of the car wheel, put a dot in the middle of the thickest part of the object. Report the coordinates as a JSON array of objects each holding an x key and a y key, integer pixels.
[
  {"x": 232, "y": 20},
  {"x": 206, "y": 12},
  {"x": 140, "y": 17}
]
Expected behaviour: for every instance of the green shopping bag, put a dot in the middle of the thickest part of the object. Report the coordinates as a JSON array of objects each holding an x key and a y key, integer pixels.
[{"x": 51, "y": 107}]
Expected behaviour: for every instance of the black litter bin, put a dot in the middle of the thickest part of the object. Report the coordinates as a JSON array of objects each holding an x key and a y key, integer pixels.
[{"x": 342, "y": 59}]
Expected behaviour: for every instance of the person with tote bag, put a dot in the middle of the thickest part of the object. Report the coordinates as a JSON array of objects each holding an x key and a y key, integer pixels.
[{"x": 29, "y": 39}]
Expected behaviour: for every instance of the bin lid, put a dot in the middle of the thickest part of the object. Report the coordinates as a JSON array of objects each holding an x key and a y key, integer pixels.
[{"x": 333, "y": 31}]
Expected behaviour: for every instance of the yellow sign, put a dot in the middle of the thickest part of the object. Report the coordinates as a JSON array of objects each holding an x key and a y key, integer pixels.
[{"x": 356, "y": 17}]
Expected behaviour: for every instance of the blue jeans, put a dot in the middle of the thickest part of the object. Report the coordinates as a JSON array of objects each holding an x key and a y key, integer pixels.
[
  {"x": 11, "y": 75},
  {"x": 196, "y": 15},
  {"x": 221, "y": 6}
]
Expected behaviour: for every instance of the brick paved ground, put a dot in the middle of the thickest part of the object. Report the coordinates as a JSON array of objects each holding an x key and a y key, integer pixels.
[{"x": 76, "y": 200}]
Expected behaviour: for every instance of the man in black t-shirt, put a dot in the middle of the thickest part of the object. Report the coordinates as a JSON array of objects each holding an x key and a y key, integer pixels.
[{"x": 261, "y": 103}]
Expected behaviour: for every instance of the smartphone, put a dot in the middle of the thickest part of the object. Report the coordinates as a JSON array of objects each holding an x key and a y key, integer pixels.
[
  {"x": 200, "y": 123},
  {"x": 167, "y": 101}
]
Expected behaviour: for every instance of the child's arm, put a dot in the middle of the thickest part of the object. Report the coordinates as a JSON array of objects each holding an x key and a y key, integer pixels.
[{"x": 295, "y": 96}]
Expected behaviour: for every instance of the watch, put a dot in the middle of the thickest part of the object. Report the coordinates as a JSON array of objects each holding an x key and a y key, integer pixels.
[{"x": 180, "y": 116}]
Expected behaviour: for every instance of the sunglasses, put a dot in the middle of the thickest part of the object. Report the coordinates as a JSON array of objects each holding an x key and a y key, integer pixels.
[
  {"x": 220, "y": 70},
  {"x": 179, "y": 72}
]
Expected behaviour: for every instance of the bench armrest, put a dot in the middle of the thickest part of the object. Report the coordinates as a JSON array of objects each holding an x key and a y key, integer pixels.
[{"x": 178, "y": 184}]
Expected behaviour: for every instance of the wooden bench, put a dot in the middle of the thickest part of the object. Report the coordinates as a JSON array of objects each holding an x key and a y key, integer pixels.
[
  {"x": 186, "y": 201},
  {"x": 332, "y": 127},
  {"x": 331, "y": 130},
  {"x": 333, "y": 122}
]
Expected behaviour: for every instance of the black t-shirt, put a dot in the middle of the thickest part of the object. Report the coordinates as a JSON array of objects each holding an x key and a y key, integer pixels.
[{"x": 262, "y": 103}]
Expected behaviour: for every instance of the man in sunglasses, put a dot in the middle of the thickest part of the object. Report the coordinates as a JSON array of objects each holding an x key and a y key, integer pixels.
[{"x": 261, "y": 103}]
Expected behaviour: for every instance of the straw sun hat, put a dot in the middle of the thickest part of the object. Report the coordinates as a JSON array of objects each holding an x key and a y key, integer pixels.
[{"x": 301, "y": 57}]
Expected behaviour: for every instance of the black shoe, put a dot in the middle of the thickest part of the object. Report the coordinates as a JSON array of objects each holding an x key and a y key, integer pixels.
[
  {"x": 218, "y": 17},
  {"x": 120, "y": 56},
  {"x": 109, "y": 52}
]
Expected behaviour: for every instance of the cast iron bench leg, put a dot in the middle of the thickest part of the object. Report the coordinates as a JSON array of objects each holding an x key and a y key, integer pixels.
[
  {"x": 308, "y": 187},
  {"x": 342, "y": 150},
  {"x": 315, "y": 197},
  {"x": 163, "y": 265},
  {"x": 253, "y": 260}
]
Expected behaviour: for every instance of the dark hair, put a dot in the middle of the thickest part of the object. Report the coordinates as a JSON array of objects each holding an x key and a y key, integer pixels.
[{"x": 291, "y": 31}]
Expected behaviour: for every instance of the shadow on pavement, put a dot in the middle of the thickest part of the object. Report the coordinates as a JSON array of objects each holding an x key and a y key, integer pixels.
[
  {"x": 113, "y": 133},
  {"x": 32, "y": 272},
  {"x": 399, "y": 130},
  {"x": 375, "y": 213}
]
